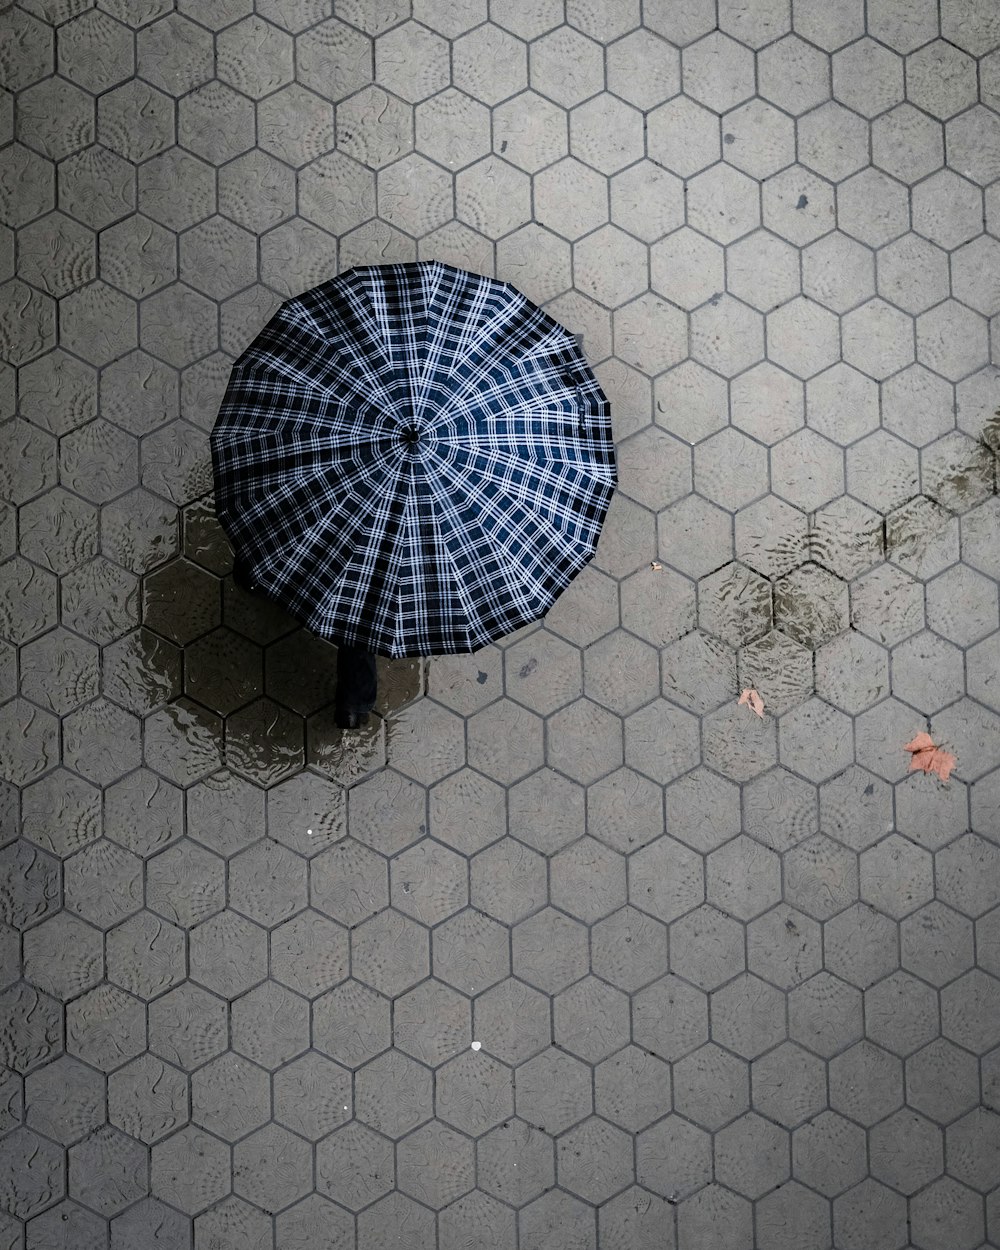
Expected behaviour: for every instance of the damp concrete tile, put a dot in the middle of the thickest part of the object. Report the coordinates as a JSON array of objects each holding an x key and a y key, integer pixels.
[{"x": 591, "y": 787}]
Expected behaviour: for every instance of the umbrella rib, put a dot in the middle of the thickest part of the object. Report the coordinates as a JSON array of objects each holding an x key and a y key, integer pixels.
[
  {"x": 439, "y": 514},
  {"x": 338, "y": 354},
  {"x": 495, "y": 511},
  {"x": 557, "y": 535}
]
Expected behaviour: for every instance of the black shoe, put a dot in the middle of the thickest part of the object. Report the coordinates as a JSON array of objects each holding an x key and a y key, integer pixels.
[{"x": 346, "y": 718}]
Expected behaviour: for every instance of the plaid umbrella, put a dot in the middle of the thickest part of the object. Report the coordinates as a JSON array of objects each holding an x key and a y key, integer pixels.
[{"x": 413, "y": 459}]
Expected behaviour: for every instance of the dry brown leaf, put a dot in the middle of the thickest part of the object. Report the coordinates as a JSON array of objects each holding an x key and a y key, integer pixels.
[
  {"x": 753, "y": 701},
  {"x": 928, "y": 757}
]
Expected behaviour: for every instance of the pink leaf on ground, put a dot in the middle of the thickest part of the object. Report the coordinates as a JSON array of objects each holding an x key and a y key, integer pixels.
[
  {"x": 926, "y": 756},
  {"x": 753, "y": 701}
]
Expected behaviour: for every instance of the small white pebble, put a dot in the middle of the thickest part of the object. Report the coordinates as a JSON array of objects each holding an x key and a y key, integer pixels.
[
  {"x": 310, "y": 832},
  {"x": 477, "y": 1045}
]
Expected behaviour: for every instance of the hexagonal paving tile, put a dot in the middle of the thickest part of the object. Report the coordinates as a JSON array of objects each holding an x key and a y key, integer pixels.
[
  {"x": 916, "y": 405},
  {"x": 807, "y": 470},
  {"x": 57, "y": 254},
  {"x": 587, "y": 1019},
  {"x": 542, "y": 791},
  {"x": 516, "y": 1162},
  {"x": 852, "y": 672},
  {"x": 780, "y": 809},
  {"x": 107, "y": 1171},
  {"x": 272, "y": 1167},
  {"x": 767, "y": 387},
  {"x": 901, "y": 1014},
  {"x": 35, "y": 47},
  {"x": 755, "y": 1170},
  {"x": 228, "y": 954},
  {"x": 550, "y": 950},
  {"x": 190, "y": 1170},
  {"x": 584, "y": 741},
  {"x": 780, "y": 666},
  {"x": 838, "y": 272},
  {"x": 951, "y": 340},
  {"x": 174, "y": 54},
  {"x": 695, "y": 536},
  {"x": 118, "y": 130},
  {"x": 63, "y": 1100},
  {"x": 339, "y": 1179},
  {"x": 865, "y": 1067},
  {"x": 730, "y": 469},
  {"x": 474, "y": 1093},
  {"x": 906, "y": 1170},
  {"x": 619, "y": 672},
  {"x": 828, "y": 1153},
  {"x": 436, "y": 1165},
  {"x": 735, "y": 604},
  {"x": 33, "y": 592},
  {"x": 351, "y": 1024},
  {"x": 26, "y": 318},
  {"x": 106, "y": 1027},
  {"x": 390, "y": 952},
  {"x": 103, "y": 883},
  {"x": 60, "y": 813},
  {"x": 742, "y": 878},
  {"x": 674, "y": 1158},
  {"x": 947, "y": 209},
  {"x": 34, "y": 1172},
  {"x": 746, "y": 1016},
  {"x": 146, "y": 955},
  {"x": 594, "y": 1160},
  {"x": 58, "y": 394},
  {"x": 941, "y": 1081},
  {"x": 432, "y": 1022},
  {"x": 687, "y": 268},
  {"x": 554, "y": 1091},
  {"x": 798, "y": 205},
  {"x": 313, "y": 1096}
]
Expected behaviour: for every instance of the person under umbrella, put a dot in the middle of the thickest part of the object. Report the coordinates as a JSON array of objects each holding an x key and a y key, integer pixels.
[{"x": 412, "y": 460}]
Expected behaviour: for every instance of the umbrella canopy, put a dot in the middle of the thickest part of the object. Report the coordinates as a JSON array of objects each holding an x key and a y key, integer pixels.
[{"x": 413, "y": 459}]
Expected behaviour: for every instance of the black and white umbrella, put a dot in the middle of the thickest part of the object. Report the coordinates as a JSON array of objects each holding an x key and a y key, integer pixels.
[{"x": 413, "y": 459}]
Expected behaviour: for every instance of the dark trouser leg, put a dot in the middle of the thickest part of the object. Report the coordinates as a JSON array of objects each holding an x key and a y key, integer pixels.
[
  {"x": 241, "y": 575},
  {"x": 357, "y": 686}
]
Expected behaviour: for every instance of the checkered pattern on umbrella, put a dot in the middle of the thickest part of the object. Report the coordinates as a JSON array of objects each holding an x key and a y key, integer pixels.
[{"x": 413, "y": 459}]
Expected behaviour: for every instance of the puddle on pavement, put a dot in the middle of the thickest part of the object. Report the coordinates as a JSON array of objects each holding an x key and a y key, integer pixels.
[
  {"x": 267, "y": 683},
  {"x": 811, "y": 606},
  {"x": 847, "y": 551},
  {"x": 916, "y": 533},
  {"x": 963, "y": 481}
]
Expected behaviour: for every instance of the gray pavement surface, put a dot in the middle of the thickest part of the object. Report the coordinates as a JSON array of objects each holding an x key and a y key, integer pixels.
[{"x": 568, "y": 950}]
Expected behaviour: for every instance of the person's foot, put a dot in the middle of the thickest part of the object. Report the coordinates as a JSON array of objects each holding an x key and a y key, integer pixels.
[
  {"x": 357, "y": 687},
  {"x": 346, "y": 718}
]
